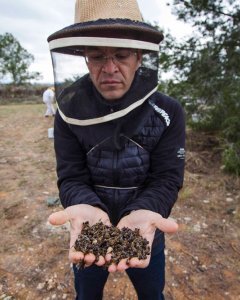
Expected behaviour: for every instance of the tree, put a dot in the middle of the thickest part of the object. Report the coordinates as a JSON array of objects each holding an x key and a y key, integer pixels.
[
  {"x": 15, "y": 61},
  {"x": 206, "y": 65},
  {"x": 207, "y": 61}
]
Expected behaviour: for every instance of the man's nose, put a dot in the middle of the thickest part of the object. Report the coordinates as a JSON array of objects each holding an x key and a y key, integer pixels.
[{"x": 110, "y": 65}]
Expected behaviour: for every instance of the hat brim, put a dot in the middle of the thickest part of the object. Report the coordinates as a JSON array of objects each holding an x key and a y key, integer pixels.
[{"x": 111, "y": 28}]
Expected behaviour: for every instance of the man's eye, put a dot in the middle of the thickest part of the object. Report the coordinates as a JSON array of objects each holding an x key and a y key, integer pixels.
[
  {"x": 96, "y": 57},
  {"x": 122, "y": 55}
]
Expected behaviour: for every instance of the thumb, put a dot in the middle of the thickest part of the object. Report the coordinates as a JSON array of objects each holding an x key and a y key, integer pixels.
[
  {"x": 166, "y": 225},
  {"x": 58, "y": 218}
]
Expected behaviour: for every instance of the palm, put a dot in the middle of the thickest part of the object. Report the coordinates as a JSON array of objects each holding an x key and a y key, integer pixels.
[
  {"x": 77, "y": 215},
  {"x": 138, "y": 220},
  {"x": 147, "y": 222}
]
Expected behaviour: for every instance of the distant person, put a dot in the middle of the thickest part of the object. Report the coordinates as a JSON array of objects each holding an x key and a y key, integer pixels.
[{"x": 48, "y": 99}]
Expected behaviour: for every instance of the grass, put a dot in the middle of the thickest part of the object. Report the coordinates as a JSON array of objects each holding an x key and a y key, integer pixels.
[{"x": 11, "y": 109}]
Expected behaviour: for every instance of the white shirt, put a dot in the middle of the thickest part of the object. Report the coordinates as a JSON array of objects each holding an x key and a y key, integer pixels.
[{"x": 48, "y": 96}]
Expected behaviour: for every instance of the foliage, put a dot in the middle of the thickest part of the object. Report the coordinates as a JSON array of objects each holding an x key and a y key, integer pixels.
[
  {"x": 231, "y": 158},
  {"x": 206, "y": 72},
  {"x": 15, "y": 61},
  {"x": 231, "y": 129}
]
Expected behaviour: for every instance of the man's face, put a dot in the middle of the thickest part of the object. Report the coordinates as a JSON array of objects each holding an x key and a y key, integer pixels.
[{"x": 112, "y": 70}]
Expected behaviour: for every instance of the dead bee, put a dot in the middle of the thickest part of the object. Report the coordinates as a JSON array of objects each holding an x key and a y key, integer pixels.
[{"x": 99, "y": 238}]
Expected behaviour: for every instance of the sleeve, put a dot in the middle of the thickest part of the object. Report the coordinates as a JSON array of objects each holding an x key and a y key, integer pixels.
[
  {"x": 166, "y": 174},
  {"x": 74, "y": 181},
  {"x": 44, "y": 97}
]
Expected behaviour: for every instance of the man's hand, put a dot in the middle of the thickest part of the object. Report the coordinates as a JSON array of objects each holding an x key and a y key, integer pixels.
[
  {"x": 147, "y": 221},
  {"x": 76, "y": 215}
]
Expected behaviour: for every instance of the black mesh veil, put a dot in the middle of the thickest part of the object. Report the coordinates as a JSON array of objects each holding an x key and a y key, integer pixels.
[{"x": 75, "y": 91}]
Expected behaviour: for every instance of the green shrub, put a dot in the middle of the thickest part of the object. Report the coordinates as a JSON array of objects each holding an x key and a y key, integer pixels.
[
  {"x": 231, "y": 129},
  {"x": 231, "y": 158}
]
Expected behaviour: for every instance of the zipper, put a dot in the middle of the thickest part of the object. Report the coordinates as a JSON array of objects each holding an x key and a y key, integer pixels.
[{"x": 115, "y": 173}]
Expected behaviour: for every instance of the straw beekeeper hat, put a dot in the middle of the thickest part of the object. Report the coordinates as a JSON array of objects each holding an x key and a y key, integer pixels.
[
  {"x": 116, "y": 23},
  {"x": 86, "y": 10}
]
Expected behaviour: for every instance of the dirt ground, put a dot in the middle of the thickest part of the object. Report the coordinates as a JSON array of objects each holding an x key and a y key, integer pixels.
[{"x": 203, "y": 258}]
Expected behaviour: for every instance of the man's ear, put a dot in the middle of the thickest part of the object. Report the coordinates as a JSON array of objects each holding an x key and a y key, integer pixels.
[{"x": 139, "y": 58}]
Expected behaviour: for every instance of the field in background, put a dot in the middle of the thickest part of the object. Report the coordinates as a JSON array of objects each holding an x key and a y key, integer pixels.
[
  {"x": 202, "y": 259},
  {"x": 11, "y": 94}
]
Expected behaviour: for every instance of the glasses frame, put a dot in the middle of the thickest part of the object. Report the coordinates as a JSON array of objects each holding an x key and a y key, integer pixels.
[{"x": 100, "y": 61}]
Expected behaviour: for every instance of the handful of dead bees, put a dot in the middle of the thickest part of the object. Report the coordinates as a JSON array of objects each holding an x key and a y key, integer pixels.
[{"x": 101, "y": 239}]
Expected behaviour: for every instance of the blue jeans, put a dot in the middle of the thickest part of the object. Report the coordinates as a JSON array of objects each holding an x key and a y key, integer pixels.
[{"x": 148, "y": 283}]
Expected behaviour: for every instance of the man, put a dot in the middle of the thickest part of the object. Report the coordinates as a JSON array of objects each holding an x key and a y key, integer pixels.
[
  {"x": 48, "y": 99},
  {"x": 119, "y": 143}
]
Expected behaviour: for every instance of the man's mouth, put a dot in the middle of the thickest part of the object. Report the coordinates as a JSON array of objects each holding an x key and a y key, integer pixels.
[{"x": 110, "y": 82}]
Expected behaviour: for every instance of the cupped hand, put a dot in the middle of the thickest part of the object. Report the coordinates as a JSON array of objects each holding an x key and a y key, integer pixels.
[
  {"x": 77, "y": 215},
  {"x": 147, "y": 221}
]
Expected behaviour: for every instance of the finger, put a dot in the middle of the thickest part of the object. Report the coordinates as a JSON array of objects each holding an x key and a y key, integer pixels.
[
  {"x": 58, "y": 218},
  {"x": 112, "y": 268},
  {"x": 123, "y": 265},
  {"x": 75, "y": 256},
  {"x": 89, "y": 259},
  {"x": 166, "y": 225},
  {"x": 100, "y": 262},
  {"x": 136, "y": 263}
]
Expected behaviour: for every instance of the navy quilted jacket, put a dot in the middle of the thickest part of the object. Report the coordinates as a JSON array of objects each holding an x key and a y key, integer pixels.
[{"x": 135, "y": 162}]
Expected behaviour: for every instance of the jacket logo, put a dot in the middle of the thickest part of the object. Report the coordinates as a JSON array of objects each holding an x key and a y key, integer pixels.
[
  {"x": 181, "y": 153},
  {"x": 162, "y": 112}
]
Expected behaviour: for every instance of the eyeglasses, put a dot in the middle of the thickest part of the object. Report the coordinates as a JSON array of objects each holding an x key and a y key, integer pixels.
[{"x": 122, "y": 56}]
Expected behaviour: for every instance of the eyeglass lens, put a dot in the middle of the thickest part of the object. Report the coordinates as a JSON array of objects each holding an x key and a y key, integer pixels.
[{"x": 98, "y": 58}]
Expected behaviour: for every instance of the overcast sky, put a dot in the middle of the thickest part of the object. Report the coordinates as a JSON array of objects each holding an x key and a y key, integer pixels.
[{"x": 31, "y": 22}]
